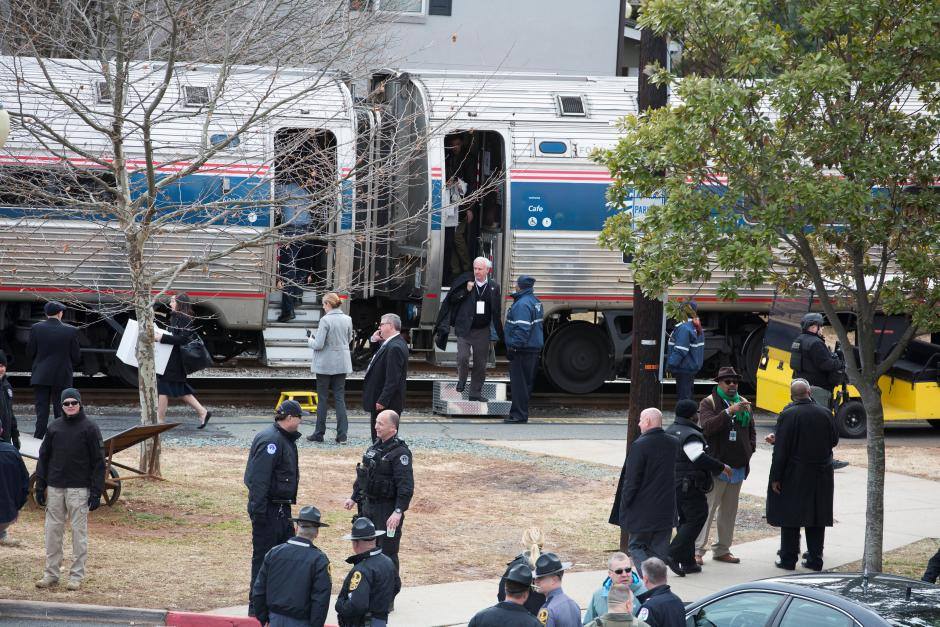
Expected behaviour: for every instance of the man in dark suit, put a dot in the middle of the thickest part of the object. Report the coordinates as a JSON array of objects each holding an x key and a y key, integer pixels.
[
  {"x": 648, "y": 497},
  {"x": 384, "y": 384},
  {"x": 54, "y": 352}
]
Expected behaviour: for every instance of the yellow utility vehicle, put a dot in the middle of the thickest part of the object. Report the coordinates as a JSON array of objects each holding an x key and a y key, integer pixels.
[{"x": 909, "y": 391}]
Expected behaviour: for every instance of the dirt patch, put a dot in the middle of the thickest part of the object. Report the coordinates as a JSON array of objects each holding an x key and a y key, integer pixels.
[
  {"x": 185, "y": 543},
  {"x": 915, "y": 461},
  {"x": 909, "y": 560}
]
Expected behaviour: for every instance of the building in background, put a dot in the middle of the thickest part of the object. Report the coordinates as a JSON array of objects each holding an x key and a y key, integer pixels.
[{"x": 557, "y": 36}]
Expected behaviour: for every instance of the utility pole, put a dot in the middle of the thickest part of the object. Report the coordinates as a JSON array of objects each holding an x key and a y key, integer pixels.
[{"x": 645, "y": 387}]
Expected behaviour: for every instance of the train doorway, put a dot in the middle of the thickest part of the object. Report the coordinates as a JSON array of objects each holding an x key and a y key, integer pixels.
[
  {"x": 305, "y": 196},
  {"x": 474, "y": 200}
]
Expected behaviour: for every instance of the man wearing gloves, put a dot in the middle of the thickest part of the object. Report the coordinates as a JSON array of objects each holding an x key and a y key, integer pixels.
[
  {"x": 69, "y": 482},
  {"x": 524, "y": 340}
]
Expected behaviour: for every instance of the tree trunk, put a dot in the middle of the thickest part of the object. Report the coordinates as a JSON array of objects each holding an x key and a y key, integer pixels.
[
  {"x": 875, "y": 506},
  {"x": 147, "y": 381}
]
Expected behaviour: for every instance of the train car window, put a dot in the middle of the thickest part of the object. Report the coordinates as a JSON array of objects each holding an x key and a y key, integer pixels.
[
  {"x": 55, "y": 187},
  {"x": 553, "y": 148}
]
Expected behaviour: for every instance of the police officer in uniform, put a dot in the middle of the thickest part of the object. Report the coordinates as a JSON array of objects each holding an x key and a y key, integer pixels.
[
  {"x": 292, "y": 588},
  {"x": 272, "y": 475},
  {"x": 559, "y": 610},
  {"x": 385, "y": 482},
  {"x": 370, "y": 587},
  {"x": 810, "y": 359},
  {"x": 511, "y": 612},
  {"x": 694, "y": 470}
]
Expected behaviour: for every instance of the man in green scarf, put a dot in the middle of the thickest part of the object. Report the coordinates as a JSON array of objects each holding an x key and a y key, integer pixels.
[{"x": 728, "y": 425}]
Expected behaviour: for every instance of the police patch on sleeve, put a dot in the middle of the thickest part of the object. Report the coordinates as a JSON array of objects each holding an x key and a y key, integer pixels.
[
  {"x": 404, "y": 460},
  {"x": 543, "y": 616},
  {"x": 354, "y": 582},
  {"x": 272, "y": 448},
  {"x": 644, "y": 613}
]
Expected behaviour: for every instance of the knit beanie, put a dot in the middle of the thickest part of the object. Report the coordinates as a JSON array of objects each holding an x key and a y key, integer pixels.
[
  {"x": 686, "y": 409},
  {"x": 70, "y": 393}
]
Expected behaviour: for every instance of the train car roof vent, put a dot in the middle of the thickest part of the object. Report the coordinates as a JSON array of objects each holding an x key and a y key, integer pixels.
[
  {"x": 571, "y": 105},
  {"x": 102, "y": 93},
  {"x": 195, "y": 95}
]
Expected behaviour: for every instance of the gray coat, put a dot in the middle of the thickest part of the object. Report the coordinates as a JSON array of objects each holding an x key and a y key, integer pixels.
[{"x": 331, "y": 344}]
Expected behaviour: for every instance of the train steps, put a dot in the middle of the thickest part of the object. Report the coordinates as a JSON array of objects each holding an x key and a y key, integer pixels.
[
  {"x": 285, "y": 343},
  {"x": 447, "y": 401}
]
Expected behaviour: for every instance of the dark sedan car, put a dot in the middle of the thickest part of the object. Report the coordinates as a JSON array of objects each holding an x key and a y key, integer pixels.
[{"x": 821, "y": 600}]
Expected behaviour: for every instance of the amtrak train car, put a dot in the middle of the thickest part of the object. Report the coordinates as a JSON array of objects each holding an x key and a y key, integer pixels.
[
  {"x": 538, "y": 204},
  {"x": 48, "y": 250}
]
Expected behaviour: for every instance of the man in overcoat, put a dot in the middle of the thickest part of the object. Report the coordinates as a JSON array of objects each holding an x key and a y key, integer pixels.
[
  {"x": 801, "y": 487},
  {"x": 54, "y": 352},
  {"x": 383, "y": 386},
  {"x": 648, "y": 497}
]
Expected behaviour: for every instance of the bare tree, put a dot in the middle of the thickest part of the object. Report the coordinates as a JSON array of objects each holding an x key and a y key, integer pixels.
[{"x": 140, "y": 160}]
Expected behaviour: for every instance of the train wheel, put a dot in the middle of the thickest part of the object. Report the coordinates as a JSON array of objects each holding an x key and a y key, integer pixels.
[
  {"x": 851, "y": 420},
  {"x": 576, "y": 358},
  {"x": 753, "y": 347},
  {"x": 934, "y": 423},
  {"x": 112, "y": 487}
]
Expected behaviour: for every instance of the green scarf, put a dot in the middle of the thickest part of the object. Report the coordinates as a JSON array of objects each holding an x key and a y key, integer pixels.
[{"x": 744, "y": 416}]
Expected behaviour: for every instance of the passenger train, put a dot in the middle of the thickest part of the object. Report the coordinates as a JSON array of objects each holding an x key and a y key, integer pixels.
[{"x": 539, "y": 205}]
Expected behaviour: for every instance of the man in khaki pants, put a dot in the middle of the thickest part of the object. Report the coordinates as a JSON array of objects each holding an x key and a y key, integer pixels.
[
  {"x": 69, "y": 482},
  {"x": 728, "y": 426}
]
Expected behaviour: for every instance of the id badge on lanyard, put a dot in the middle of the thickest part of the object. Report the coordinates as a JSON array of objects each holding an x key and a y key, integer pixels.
[
  {"x": 481, "y": 307},
  {"x": 733, "y": 435}
]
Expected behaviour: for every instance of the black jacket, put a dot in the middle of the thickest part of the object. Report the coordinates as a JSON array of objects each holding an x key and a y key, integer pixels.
[
  {"x": 369, "y": 588},
  {"x": 505, "y": 614},
  {"x": 14, "y": 482},
  {"x": 536, "y": 599},
  {"x": 385, "y": 377},
  {"x": 272, "y": 472},
  {"x": 689, "y": 474},
  {"x": 805, "y": 436},
  {"x": 72, "y": 455},
  {"x": 386, "y": 474},
  {"x": 54, "y": 352},
  {"x": 648, "y": 498},
  {"x": 181, "y": 330},
  {"x": 662, "y": 608},
  {"x": 294, "y": 581},
  {"x": 11, "y": 432},
  {"x": 459, "y": 307},
  {"x": 816, "y": 363}
]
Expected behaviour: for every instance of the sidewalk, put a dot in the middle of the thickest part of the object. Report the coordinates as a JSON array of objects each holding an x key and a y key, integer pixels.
[{"x": 910, "y": 514}]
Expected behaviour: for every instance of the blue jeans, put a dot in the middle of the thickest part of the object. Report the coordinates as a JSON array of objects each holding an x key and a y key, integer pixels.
[
  {"x": 684, "y": 383},
  {"x": 336, "y": 383}
]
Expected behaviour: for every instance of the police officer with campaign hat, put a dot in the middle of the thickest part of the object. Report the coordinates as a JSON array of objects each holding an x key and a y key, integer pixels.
[
  {"x": 370, "y": 587},
  {"x": 559, "y": 610},
  {"x": 385, "y": 482},
  {"x": 693, "y": 476},
  {"x": 292, "y": 588},
  {"x": 272, "y": 475},
  {"x": 511, "y": 612}
]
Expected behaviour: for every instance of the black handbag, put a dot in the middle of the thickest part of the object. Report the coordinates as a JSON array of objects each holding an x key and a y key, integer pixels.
[{"x": 195, "y": 355}]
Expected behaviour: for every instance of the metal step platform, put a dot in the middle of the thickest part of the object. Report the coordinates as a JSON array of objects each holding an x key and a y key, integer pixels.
[
  {"x": 285, "y": 343},
  {"x": 447, "y": 401}
]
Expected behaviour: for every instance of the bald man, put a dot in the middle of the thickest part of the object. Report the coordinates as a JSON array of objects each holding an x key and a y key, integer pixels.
[{"x": 648, "y": 496}]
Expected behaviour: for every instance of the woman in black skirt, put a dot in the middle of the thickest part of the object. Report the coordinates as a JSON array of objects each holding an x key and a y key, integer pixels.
[{"x": 172, "y": 383}]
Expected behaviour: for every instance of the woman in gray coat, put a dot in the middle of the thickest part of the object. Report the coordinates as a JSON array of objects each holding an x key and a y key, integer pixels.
[{"x": 331, "y": 363}]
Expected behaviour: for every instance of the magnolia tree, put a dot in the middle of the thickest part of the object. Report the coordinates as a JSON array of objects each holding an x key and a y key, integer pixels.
[
  {"x": 108, "y": 137},
  {"x": 799, "y": 149}
]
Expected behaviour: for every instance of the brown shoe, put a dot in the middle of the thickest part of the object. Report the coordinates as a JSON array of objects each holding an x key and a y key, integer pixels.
[
  {"x": 727, "y": 558},
  {"x": 699, "y": 560}
]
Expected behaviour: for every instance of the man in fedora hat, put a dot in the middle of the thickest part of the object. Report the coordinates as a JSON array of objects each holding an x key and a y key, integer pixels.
[
  {"x": 271, "y": 476},
  {"x": 512, "y": 611},
  {"x": 728, "y": 426},
  {"x": 292, "y": 588},
  {"x": 559, "y": 609},
  {"x": 54, "y": 353},
  {"x": 370, "y": 587}
]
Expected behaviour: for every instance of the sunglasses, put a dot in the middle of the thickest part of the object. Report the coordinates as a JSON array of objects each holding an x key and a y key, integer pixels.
[
  {"x": 729, "y": 381},
  {"x": 621, "y": 571},
  {"x": 70, "y": 403}
]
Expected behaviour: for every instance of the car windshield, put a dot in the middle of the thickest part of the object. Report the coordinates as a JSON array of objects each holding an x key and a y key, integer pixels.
[
  {"x": 901, "y": 602},
  {"x": 926, "y": 617}
]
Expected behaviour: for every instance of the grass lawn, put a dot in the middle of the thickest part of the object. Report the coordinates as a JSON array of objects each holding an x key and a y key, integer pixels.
[{"x": 184, "y": 543}]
